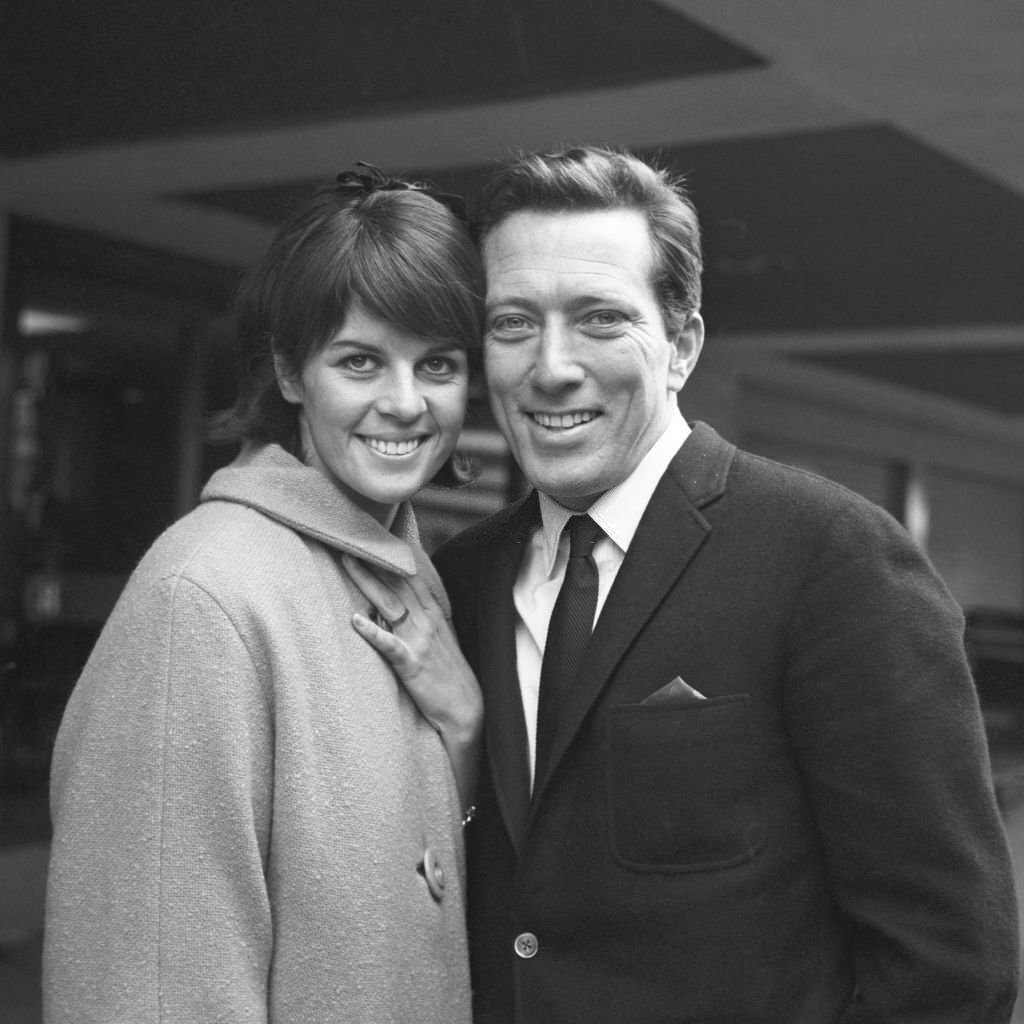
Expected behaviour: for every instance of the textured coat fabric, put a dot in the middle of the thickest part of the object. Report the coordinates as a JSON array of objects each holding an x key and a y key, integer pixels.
[
  {"x": 816, "y": 842},
  {"x": 243, "y": 797}
]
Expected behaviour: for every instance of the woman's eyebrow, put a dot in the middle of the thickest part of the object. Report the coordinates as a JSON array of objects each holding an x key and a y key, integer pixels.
[{"x": 345, "y": 341}]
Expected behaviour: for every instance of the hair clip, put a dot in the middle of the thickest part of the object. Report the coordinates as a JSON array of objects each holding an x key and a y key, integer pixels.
[{"x": 358, "y": 183}]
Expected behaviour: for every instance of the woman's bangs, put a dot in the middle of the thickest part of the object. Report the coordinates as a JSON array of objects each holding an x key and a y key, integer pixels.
[{"x": 395, "y": 288}]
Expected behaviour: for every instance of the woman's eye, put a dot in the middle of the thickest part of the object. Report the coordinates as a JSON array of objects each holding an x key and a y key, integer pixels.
[
  {"x": 358, "y": 362},
  {"x": 439, "y": 365}
]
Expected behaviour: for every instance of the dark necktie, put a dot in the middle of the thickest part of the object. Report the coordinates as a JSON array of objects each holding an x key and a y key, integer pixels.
[{"x": 572, "y": 621}]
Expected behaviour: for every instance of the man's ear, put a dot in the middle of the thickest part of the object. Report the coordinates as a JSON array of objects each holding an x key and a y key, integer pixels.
[
  {"x": 686, "y": 346},
  {"x": 288, "y": 383}
]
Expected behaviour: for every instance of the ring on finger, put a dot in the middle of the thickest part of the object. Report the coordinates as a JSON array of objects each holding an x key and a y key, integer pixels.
[{"x": 395, "y": 623}]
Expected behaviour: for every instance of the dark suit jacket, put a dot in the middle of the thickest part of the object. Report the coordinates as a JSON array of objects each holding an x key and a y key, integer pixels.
[{"x": 815, "y": 842}]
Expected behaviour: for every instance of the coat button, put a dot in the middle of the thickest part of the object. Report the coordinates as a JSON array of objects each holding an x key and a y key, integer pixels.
[
  {"x": 526, "y": 945},
  {"x": 433, "y": 873}
]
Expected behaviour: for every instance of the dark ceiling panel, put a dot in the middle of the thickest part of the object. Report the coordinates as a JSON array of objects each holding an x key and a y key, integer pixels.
[
  {"x": 852, "y": 229},
  {"x": 74, "y": 74}
]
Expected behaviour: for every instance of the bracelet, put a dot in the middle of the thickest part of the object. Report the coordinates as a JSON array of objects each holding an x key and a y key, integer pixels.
[{"x": 469, "y": 815}]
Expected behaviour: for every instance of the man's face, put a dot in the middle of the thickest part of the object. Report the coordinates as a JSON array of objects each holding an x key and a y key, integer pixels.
[{"x": 582, "y": 373}]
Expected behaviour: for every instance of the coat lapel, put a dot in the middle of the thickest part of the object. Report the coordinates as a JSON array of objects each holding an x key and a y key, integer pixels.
[
  {"x": 670, "y": 533},
  {"x": 507, "y": 747}
]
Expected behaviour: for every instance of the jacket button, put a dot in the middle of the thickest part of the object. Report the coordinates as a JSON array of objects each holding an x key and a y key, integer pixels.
[
  {"x": 526, "y": 945},
  {"x": 433, "y": 873}
]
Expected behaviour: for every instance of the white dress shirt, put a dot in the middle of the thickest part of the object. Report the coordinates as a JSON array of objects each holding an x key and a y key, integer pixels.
[{"x": 618, "y": 513}]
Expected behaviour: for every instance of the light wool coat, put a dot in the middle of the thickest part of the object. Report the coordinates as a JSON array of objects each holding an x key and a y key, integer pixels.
[{"x": 243, "y": 797}]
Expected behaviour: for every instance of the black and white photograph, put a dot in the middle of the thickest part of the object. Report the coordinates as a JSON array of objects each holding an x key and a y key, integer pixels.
[{"x": 512, "y": 512}]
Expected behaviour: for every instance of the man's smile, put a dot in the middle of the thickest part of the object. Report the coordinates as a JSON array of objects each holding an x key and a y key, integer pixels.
[{"x": 563, "y": 420}]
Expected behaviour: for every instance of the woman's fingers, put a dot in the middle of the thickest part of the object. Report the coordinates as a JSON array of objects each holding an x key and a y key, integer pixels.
[
  {"x": 396, "y": 597},
  {"x": 382, "y": 641},
  {"x": 381, "y": 595},
  {"x": 424, "y": 595}
]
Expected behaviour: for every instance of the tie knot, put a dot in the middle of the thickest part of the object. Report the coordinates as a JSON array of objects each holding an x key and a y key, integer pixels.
[{"x": 583, "y": 535}]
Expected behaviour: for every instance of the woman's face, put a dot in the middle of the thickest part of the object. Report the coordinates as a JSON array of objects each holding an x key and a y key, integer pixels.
[{"x": 381, "y": 409}]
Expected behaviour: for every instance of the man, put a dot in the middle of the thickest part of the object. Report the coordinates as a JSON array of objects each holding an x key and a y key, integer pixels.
[{"x": 763, "y": 790}]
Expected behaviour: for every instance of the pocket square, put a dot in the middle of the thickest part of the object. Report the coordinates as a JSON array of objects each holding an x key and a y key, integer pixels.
[{"x": 674, "y": 692}]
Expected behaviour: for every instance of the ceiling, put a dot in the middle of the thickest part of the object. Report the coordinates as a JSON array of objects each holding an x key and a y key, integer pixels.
[{"x": 859, "y": 168}]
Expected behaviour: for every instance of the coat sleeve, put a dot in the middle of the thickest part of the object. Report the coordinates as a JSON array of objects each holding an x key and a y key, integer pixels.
[
  {"x": 884, "y": 716},
  {"x": 157, "y": 905}
]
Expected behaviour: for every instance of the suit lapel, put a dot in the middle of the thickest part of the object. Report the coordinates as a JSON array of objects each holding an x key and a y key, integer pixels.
[
  {"x": 670, "y": 533},
  {"x": 507, "y": 748}
]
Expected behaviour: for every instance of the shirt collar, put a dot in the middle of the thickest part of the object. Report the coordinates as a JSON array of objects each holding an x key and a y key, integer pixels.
[{"x": 618, "y": 512}]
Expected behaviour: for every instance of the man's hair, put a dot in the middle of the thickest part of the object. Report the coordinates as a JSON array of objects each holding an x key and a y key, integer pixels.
[
  {"x": 395, "y": 249},
  {"x": 590, "y": 178}
]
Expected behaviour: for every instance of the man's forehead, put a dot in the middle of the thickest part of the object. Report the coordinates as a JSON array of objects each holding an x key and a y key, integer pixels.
[
  {"x": 569, "y": 242},
  {"x": 570, "y": 224}
]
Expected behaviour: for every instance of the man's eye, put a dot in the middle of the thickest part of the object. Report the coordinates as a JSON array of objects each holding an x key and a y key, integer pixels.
[
  {"x": 509, "y": 323},
  {"x": 605, "y": 318}
]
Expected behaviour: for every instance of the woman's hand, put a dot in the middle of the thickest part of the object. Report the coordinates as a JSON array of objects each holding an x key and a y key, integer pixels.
[{"x": 421, "y": 647}]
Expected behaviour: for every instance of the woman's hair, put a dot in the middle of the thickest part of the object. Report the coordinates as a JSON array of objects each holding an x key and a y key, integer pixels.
[
  {"x": 398, "y": 248},
  {"x": 586, "y": 178}
]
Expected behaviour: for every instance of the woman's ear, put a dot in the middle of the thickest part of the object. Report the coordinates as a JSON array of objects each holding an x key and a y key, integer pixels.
[
  {"x": 686, "y": 346},
  {"x": 289, "y": 384}
]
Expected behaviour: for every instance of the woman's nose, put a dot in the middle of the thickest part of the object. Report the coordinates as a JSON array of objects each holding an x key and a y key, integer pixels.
[{"x": 401, "y": 396}]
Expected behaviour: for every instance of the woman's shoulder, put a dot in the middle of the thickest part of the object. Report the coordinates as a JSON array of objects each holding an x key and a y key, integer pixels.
[{"x": 218, "y": 544}]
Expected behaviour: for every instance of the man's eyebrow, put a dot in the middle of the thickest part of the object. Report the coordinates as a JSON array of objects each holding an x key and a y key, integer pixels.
[
  {"x": 507, "y": 300},
  {"x": 594, "y": 299}
]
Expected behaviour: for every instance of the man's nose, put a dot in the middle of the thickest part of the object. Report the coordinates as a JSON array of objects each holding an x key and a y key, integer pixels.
[
  {"x": 557, "y": 364},
  {"x": 400, "y": 396}
]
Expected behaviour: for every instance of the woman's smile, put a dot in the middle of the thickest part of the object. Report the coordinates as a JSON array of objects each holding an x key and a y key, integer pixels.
[{"x": 392, "y": 446}]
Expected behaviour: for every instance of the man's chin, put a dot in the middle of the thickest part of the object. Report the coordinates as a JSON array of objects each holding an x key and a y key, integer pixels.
[{"x": 573, "y": 494}]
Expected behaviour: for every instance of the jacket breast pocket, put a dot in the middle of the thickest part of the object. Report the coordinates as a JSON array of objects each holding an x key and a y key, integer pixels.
[{"x": 682, "y": 785}]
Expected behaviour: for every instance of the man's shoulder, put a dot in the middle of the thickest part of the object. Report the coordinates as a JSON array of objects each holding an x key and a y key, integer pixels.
[
  {"x": 798, "y": 508},
  {"x": 745, "y": 488},
  {"x": 796, "y": 484},
  {"x": 492, "y": 530},
  {"x": 708, "y": 468}
]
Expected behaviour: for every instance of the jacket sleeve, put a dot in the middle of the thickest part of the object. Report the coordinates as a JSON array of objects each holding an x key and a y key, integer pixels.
[
  {"x": 884, "y": 716},
  {"x": 157, "y": 904}
]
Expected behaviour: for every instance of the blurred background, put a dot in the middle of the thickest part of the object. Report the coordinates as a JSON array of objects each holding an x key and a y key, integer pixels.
[{"x": 858, "y": 168}]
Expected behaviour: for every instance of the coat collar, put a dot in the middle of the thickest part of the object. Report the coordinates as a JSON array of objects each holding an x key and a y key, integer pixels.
[
  {"x": 266, "y": 478},
  {"x": 702, "y": 464}
]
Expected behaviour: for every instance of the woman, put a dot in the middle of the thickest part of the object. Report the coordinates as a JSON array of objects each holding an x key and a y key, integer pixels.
[{"x": 252, "y": 820}]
